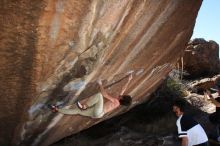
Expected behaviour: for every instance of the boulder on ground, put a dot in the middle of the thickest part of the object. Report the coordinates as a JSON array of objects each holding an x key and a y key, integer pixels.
[{"x": 201, "y": 58}]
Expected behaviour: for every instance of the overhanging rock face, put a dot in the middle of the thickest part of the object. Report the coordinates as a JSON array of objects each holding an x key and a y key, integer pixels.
[{"x": 54, "y": 51}]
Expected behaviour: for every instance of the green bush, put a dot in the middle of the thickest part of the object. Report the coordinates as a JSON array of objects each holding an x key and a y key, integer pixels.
[{"x": 171, "y": 89}]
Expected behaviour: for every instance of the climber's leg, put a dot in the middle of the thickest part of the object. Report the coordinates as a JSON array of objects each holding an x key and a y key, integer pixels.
[
  {"x": 97, "y": 102},
  {"x": 94, "y": 109}
]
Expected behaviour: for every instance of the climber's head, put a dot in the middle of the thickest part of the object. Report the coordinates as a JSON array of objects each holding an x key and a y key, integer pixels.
[{"x": 125, "y": 100}]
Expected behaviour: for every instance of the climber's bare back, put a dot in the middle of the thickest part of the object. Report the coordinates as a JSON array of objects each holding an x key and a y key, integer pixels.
[{"x": 109, "y": 105}]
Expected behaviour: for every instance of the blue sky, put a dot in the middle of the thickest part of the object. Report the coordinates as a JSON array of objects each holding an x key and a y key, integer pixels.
[{"x": 208, "y": 21}]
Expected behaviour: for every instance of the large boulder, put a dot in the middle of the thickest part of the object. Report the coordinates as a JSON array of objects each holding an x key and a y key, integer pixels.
[
  {"x": 53, "y": 52},
  {"x": 201, "y": 58}
]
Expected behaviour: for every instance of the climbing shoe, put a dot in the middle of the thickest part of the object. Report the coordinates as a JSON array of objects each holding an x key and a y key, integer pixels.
[
  {"x": 80, "y": 106},
  {"x": 53, "y": 108}
]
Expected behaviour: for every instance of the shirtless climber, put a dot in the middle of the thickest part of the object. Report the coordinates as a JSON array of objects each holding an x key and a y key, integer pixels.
[{"x": 95, "y": 106}]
